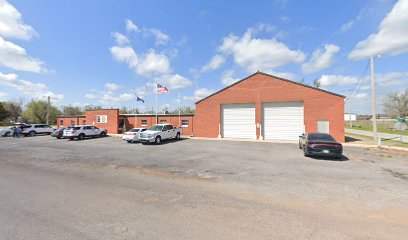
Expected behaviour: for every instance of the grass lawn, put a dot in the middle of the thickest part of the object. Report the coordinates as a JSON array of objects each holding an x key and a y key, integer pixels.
[
  {"x": 387, "y": 127},
  {"x": 359, "y": 139}
]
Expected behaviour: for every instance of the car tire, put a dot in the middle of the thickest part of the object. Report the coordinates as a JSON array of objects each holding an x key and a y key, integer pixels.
[
  {"x": 129, "y": 141},
  {"x": 300, "y": 146},
  {"x": 305, "y": 154},
  {"x": 32, "y": 133},
  {"x": 81, "y": 136},
  {"x": 103, "y": 134},
  {"x": 71, "y": 138},
  {"x": 157, "y": 140},
  {"x": 178, "y": 136},
  {"x": 7, "y": 134},
  {"x": 58, "y": 137}
]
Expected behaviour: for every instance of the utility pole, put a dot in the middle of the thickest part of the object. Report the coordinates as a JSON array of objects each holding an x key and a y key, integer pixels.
[
  {"x": 348, "y": 109},
  {"x": 373, "y": 101},
  {"x": 48, "y": 110}
]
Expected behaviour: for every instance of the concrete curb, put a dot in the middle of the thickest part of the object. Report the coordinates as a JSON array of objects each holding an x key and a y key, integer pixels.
[
  {"x": 375, "y": 146},
  {"x": 243, "y": 140}
]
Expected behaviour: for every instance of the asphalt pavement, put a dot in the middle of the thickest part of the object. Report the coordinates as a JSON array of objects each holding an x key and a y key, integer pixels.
[{"x": 105, "y": 188}]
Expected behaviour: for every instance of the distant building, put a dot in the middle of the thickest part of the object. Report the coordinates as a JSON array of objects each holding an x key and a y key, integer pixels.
[{"x": 350, "y": 116}]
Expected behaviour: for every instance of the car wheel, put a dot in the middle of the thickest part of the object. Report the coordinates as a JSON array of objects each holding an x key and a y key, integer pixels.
[
  {"x": 71, "y": 138},
  {"x": 103, "y": 134},
  {"x": 157, "y": 140},
  {"x": 32, "y": 133},
  {"x": 81, "y": 136},
  {"x": 178, "y": 136},
  {"x": 305, "y": 153},
  {"x": 129, "y": 141},
  {"x": 300, "y": 146},
  {"x": 7, "y": 134},
  {"x": 58, "y": 137}
]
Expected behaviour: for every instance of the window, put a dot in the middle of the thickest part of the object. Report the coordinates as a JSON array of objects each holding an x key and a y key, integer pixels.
[
  {"x": 62, "y": 122},
  {"x": 163, "y": 121},
  {"x": 72, "y": 122},
  {"x": 102, "y": 119},
  {"x": 184, "y": 123},
  {"x": 168, "y": 127},
  {"x": 88, "y": 128},
  {"x": 83, "y": 122},
  {"x": 144, "y": 122},
  {"x": 323, "y": 126},
  {"x": 39, "y": 126}
]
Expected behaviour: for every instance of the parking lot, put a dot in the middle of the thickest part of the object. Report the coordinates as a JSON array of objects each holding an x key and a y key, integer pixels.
[{"x": 105, "y": 188}]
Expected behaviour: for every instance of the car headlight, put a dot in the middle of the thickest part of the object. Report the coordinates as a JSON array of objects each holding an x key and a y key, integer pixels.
[{"x": 150, "y": 135}]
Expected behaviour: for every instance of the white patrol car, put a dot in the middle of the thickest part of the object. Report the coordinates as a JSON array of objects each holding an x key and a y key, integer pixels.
[
  {"x": 132, "y": 135},
  {"x": 83, "y": 131},
  {"x": 34, "y": 129}
]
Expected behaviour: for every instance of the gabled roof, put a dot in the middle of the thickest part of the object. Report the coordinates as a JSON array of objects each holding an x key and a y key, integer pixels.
[{"x": 269, "y": 75}]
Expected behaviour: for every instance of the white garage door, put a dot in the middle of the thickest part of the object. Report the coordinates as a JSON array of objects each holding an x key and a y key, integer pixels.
[
  {"x": 238, "y": 121},
  {"x": 283, "y": 120}
]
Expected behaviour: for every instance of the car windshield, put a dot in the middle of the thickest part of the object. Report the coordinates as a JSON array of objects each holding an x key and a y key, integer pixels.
[
  {"x": 134, "y": 130},
  {"x": 156, "y": 128},
  {"x": 320, "y": 136}
]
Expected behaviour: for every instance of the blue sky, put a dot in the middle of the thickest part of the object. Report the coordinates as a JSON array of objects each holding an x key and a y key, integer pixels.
[{"x": 107, "y": 52}]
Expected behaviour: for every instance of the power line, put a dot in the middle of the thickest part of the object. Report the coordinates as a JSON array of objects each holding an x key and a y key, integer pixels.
[{"x": 362, "y": 79}]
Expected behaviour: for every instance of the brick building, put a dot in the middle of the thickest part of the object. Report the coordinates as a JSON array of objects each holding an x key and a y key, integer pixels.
[{"x": 260, "y": 106}]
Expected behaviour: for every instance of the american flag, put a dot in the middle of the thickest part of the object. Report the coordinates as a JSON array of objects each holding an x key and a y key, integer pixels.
[{"x": 161, "y": 89}]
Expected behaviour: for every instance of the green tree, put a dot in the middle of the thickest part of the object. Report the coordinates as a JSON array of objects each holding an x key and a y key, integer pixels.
[
  {"x": 72, "y": 111},
  {"x": 15, "y": 108},
  {"x": 92, "y": 107},
  {"x": 4, "y": 114},
  {"x": 396, "y": 104},
  {"x": 36, "y": 112}
]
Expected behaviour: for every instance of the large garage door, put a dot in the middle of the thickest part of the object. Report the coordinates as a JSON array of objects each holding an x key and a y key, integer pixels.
[
  {"x": 238, "y": 121},
  {"x": 283, "y": 120}
]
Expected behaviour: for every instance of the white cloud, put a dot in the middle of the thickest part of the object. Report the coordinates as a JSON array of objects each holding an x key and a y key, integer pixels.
[
  {"x": 127, "y": 96},
  {"x": 111, "y": 86},
  {"x": 2, "y": 95},
  {"x": 214, "y": 63},
  {"x": 161, "y": 37},
  {"x": 126, "y": 55},
  {"x": 320, "y": 59},
  {"x": 259, "y": 54},
  {"x": 361, "y": 95},
  {"x": 337, "y": 80},
  {"x": 35, "y": 90},
  {"x": 131, "y": 27},
  {"x": 152, "y": 62},
  {"x": 11, "y": 24},
  {"x": 91, "y": 96},
  {"x": 15, "y": 57},
  {"x": 285, "y": 75},
  {"x": 199, "y": 94},
  {"x": 228, "y": 78},
  {"x": 391, "y": 37},
  {"x": 174, "y": 81},
  {"x": 382, "y": 80},
  {"x": 347, "y": 26},
  {"x": 120, "y": 39}
]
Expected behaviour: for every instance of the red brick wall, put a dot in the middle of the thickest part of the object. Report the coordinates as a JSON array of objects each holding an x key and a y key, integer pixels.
[
  {"x": 66, "y": 121},
  {"x": 151, "y": 120},
  {"x": 261, "y": 88},
  {"x": 112, "y": 125}
]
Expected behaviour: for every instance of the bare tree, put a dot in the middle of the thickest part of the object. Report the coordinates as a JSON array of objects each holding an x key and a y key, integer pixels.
[
  {"x": 396, "y": 104},
  {"x": 316, "y": 83}
]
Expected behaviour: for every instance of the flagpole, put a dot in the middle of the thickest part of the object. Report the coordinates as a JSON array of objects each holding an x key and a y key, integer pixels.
[
  {"x": 179, "y": 109},
  {"x": 156, "y": 104}
]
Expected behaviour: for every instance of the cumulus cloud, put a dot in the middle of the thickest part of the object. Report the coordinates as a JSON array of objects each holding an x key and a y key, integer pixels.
[
  {"x": 174, "y": 81},
  {"x": 337, "y": 80},
  {"x": 391, "y": 37},
  {"x": 254, "y": 54},
  {"x": 382, "y": 80},
  {"x": 2, "y": 95},
  {"x": 91, "y": 96},
  {"x": 120, "y": 39},
  {"x": 16, "y": 57},
  {"x": 199, "y": 94},
  {"x": 285, "y": 75},
  {"x": 320, "y": 59},
  {"x": 214, "y": 63},
  {"x": 131, "y": 27},
  {"x": 35, "y": 90},
  {"x": 11, "y": 23},
  {"x": 228, "y": 78},
  {"x": 160, "y": 37},
  {"x": 111, "y": 86}
]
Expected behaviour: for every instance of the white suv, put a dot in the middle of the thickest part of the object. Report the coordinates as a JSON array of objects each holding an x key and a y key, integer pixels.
[
  {"x": 83, "y": 131},
  {"x": 34, "y": 129}
]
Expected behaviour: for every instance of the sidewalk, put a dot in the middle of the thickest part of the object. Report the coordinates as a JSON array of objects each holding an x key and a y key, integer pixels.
[{"x": 395, "y": 137}]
